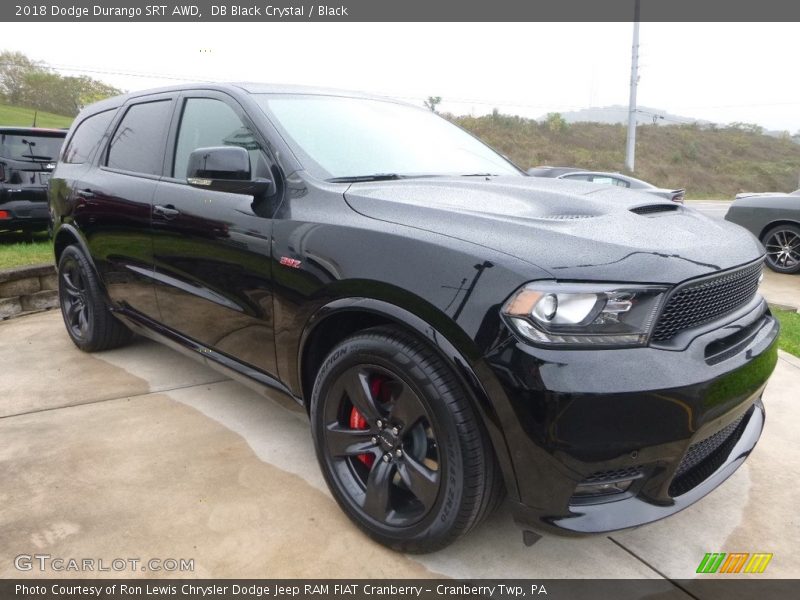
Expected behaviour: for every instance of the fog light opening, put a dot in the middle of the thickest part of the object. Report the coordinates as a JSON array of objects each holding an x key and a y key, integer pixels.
[{"x": 605, "y": 488}]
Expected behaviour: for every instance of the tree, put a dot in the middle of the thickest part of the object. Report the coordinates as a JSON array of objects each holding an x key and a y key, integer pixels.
[
  {"x": 432, "y": 102},
  {"x": 555, "y": 122},
  {"x": 14, "y": 68},
  {"x": 32, "y": 84}
]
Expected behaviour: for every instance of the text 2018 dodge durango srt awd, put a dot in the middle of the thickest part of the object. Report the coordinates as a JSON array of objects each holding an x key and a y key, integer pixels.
[{"x": 456, "y": 329}]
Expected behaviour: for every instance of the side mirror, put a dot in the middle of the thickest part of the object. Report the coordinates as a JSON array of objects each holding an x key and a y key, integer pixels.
[{"x": 225, "y": 169}]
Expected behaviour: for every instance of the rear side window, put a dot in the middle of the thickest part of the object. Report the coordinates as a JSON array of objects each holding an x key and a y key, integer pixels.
[
  {"x": 87, "y": 138},
  {"x": 138, "y": 142}
]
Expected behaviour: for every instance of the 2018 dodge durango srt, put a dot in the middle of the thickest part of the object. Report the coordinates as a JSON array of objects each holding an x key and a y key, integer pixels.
[{"x": 456, "y": 329}]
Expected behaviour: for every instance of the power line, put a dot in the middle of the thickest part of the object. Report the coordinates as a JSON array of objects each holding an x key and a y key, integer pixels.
[{"x": 465, "y": 101}]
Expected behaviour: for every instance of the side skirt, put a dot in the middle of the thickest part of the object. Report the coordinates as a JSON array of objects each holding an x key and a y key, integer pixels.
[{"x": 264, "y": 384}]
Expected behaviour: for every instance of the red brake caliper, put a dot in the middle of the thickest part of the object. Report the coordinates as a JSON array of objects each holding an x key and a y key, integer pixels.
[{"x": 357, "y": 420}]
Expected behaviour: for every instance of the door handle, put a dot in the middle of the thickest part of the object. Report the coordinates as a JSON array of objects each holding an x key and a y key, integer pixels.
[
  {"x": 167, "y": 212},
  {"x": 85, "y": 193}
]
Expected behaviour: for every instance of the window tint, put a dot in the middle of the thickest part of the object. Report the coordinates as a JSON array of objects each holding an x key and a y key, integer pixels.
[
  {"x": 138, "y": 143},
  {"x": 345, "y": 137},
  {"x": 87, "y": 137},
  {"x": 206, "y": 123},
  {"x": 576, "y": 177},
  {"x": 30, "y": 147}
]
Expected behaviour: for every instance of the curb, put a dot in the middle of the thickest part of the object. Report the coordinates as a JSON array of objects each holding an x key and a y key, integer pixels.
[
  {"x": 790, "y": 358},
  {"x": 26, "y": 290}
]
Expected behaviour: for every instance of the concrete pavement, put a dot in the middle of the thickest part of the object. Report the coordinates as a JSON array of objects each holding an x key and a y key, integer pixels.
[
  {"x": 781, "y": 289},
  {"x": 716, "y": 209},
  {"x": 142, "y": 453}
]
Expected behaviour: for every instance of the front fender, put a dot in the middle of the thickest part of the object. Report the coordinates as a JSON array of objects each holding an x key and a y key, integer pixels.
[{"x": 458, "y": 351}]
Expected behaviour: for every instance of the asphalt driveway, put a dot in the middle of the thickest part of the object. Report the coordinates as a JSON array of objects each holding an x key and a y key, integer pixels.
[{"x": 140, "y": 452}]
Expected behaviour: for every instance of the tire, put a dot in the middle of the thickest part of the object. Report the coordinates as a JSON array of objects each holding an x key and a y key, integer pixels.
[
  {"x": 399, "y": 443},
  {"x": 782, "y": 244},
  {"x": 89, "y": 322}
]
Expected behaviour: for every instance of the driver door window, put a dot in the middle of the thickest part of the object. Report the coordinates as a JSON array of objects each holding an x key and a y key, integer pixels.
[{"x": 207, "y": 122}]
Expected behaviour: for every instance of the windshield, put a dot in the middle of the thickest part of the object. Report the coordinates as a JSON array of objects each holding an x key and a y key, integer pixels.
[
  {"x": 30, "y": 147},
  {"x": 339, "y": 138}
]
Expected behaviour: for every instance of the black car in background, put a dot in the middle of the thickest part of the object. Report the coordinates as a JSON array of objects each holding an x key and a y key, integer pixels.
[
  {"x": 456, "y": 329},
  {"x": 27, "y": 157},
  {"x": 774, "y": 218}
]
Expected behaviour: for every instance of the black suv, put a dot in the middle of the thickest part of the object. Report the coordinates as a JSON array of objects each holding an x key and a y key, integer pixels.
[
  {"x": 27, "y": 157},
  {"x": 456, "y": 329}
]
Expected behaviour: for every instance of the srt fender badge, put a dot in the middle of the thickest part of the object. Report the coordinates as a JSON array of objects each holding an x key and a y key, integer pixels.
[{"x": 290, "y": 262}]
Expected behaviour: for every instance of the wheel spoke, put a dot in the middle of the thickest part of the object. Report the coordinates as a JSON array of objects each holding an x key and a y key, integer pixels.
[
  {"x": 82, "y": 322},
  {"x": 406, "y": 407},
  {"x": 356, "y": 384},
  {"x": 376, "y": 499},
  {"x": 69, "y": 285},
  {"x": 421, "y": 481},
  {"x": 348, "y": 442},
  {"x": 72, "y": 313}
]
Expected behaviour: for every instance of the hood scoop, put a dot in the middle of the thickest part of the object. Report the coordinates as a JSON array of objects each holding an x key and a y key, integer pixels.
[{"x": 650, "y": 209}]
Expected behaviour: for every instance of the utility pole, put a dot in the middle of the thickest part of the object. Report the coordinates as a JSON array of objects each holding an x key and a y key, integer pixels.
[{"x": 630, "y": 149}]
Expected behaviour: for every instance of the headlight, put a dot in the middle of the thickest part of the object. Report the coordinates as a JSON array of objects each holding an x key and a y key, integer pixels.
[{"x": 584, "y": 314}]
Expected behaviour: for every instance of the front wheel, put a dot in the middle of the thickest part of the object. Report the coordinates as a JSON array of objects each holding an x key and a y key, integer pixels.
[
  {"x": 782, "y": 244},
  {"x": 399, "y": 444}
]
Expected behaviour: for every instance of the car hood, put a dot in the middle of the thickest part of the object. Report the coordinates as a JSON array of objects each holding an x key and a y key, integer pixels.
[{"x": 573, "y": 230}]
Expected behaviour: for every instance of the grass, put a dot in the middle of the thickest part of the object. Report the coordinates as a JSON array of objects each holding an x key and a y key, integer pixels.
[
  {"x": 790, "y": 331},
  {"x": 23, "y": 117},
  {"x": 18, "y": 250},
  {"x": 709, "y": 163}
]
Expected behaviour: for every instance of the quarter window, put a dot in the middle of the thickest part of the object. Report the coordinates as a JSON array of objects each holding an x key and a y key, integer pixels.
[
  {"x": 138, "y": 142},
  {"x": 87, "y": 137}
]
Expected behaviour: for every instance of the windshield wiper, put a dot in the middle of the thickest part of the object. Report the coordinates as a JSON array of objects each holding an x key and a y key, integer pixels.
[
  {"x": 480, "y": 175},
  {"x": 36, "y": 156},
  {"x": 373, "y": 177}
]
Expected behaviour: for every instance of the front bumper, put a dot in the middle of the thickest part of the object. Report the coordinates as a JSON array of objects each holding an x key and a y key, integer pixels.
[{"x": 676, "y": 420}]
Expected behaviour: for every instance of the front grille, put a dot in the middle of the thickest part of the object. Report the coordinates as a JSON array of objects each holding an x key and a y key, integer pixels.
[
  {"x": 706, "y": 456},
  {"x": 703, "y": 301},
  {"x": 621, "y": 474}
]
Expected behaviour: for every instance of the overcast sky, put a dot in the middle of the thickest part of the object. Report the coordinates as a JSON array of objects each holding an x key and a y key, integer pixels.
[{"x": 720, "y": 72}]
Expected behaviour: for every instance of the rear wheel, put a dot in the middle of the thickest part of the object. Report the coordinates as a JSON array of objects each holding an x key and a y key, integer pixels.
[
  {"x": 90, "y": 324},
  {"x": 399, "y": 443},
  {"x": 782, "y": 244}
]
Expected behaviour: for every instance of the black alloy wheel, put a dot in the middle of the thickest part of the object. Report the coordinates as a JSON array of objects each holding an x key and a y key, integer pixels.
[
  {"x": 381, "y": 444},
  {"x": 782, "y": 244},
  {"x": 74, "y": 306},
  {"x": 88, "y": 320},
  {"x": 399, "y": 443}
]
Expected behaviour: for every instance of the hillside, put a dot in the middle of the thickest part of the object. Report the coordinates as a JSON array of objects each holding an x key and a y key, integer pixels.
[
  {"x": 708, "y": 162},
  {"x": 618, "y": 114},
  {"x": 23, "y": 117}
]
